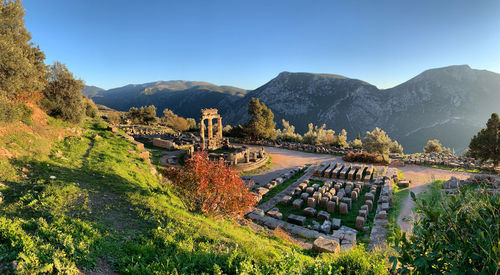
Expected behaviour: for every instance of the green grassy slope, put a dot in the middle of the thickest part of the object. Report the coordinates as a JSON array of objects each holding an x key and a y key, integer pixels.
[{"x": 81, "y": 199}]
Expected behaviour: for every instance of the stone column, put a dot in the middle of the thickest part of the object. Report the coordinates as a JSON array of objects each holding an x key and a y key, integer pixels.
[
  {"x": 219, "y": 128},
  {"x": 202, "y": 134},
  {"x": 210, "y": 129}
]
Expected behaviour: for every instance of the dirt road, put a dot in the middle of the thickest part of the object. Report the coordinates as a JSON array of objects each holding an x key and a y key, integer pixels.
[{"x": 421, "y": 177}]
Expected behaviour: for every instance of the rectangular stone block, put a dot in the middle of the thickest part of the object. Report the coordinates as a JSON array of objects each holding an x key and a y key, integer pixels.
[
  {"x": 330, "y": 207},
  {"x": 297, "y": 204},
  {"x": 309, "y": 211},
  {"x": 336, "y": 224},
  {"x": 343, "y": 208},
  {"x": 360, "y": 222},
  {"x": 323, "y": 202},
  {"x": 323, "y": 215},
  {"x": 295, "y": 219},
  {"x": 311, "y": 202},
  {"x": 317, "y": 196},
  {"x": 285, "y": 200}
]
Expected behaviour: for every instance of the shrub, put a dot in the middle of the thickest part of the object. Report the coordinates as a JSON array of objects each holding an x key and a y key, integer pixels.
[
  {"x": 453, "y": 234},
  {"x": 63, "y": 94},
  {"x": 396, "y": 148},
  {"x": 212, "y": 187},
  {"x": 364, "y": 157},
  {"x": 90, "y": 108},
  {"x": 433, "y": 146},
  {"x": 11, "y": 111},
  {"x": 114, "y": 118},
  {"x": 356, "y": 143},
  {"x": 143, "y": 115}
]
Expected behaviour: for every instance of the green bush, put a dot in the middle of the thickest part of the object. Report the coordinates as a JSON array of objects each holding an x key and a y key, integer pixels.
[
  {"x": 14, "y": 111},
  {"x": 90, "y": 108},
  {"x": 453, "y": 234}
]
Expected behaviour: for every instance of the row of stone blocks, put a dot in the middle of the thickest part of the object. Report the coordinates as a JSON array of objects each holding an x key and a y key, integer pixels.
[
  {"x": 345, "y": 171},
  {"x": 367, "y": 207}
]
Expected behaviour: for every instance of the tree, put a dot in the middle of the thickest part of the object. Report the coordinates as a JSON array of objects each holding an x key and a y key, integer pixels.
[
  {"x": 433, "y": 146},
  {"x": 134, "y": 115},
  {"x": 288, "y": 132},
  {"x": 377, "y": 141},
  {"x": 148, "y": 114},
  {"x": 261, "y": 124},
  {"x": 22, "y": 68},
  {"x": 142, "y": 115},
  {"x": 174, "y": 121},
  {"x": 212, "y": 187},
  {"x": 356, "y": 143},
  {"x": 192, "y": 123},
  {"x": 63, "y": 94},
  {"x": 485, "y": 145},
  {"x": 396, "y": 148},
  {"x": 342, "y": 139},
  {"x": 114, "y": 118}
]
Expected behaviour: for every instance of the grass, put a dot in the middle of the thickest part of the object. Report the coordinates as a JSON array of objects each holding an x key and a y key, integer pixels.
[
  {"x": 69, "y": 207},
  {"x": 273, "y": 192},
  {"x": 432, "y": 193},
  {"x": 266, "y": 166},
  {"x": 458, "y": 169}
]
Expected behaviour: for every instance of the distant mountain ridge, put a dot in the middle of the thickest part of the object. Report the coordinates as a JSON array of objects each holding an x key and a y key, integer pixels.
[
  {"x": 450, "y": 103},
  {"x": 183, "y": 97}
]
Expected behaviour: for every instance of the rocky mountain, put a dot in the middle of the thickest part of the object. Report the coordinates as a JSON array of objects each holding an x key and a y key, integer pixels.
[
  {"x": 450, "y": 103},
  {"x": 185, "y": 98},
  {"x": 91, "y": 91}
]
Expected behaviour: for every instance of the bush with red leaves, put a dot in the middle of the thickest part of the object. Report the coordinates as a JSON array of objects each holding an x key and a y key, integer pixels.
[{"x": 212, "y": 187}]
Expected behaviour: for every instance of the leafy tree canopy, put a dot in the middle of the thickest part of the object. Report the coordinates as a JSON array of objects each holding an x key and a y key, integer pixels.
[
  {"x": 63, "y": 94},
  {"x": 485, "y": 145},
  {"x": 261, "y": 124},
  {"x": 22, "y": 70}
]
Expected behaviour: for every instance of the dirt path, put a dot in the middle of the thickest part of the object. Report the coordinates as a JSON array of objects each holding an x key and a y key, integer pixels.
[
  {"x": 421, "y": 177},
  {"x": 285, "y": 160}
]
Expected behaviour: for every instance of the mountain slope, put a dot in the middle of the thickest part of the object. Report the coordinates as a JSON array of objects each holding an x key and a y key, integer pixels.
[
  {"x": 91, "y": 91},
  {"x": 450, "y": 103},
  {"x": 185, "y": 98}
]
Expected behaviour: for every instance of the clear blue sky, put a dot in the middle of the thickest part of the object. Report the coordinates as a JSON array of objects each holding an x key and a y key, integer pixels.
[{"x": 247, "y": 43}]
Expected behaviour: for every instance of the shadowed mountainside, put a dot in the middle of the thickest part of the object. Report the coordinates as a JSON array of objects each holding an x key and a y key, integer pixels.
[{"x": 450, "y": 103}]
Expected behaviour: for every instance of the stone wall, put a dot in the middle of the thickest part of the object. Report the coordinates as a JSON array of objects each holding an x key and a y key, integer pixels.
[
  {"x": 243, "y": 167},
  {"x": 167, "y": 144}
]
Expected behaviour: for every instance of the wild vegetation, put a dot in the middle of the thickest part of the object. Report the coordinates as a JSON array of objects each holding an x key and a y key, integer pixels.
[
  {"x": 452, "y": 234},
  {"x": 377, "y": 141}
]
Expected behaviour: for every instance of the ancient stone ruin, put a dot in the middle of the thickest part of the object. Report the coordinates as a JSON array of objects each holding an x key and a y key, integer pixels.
[{"x": 211, "y": 142}]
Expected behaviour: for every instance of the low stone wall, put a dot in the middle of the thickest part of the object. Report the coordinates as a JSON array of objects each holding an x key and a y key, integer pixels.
[
  {"x": 243, "y": 167},
  {"x": 167, "y": 144}
]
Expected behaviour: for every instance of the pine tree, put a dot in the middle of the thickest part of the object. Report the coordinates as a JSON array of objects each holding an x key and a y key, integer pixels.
[
  {"x": 261, "y": 124},
  {"x": 485, "y": 145}
]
